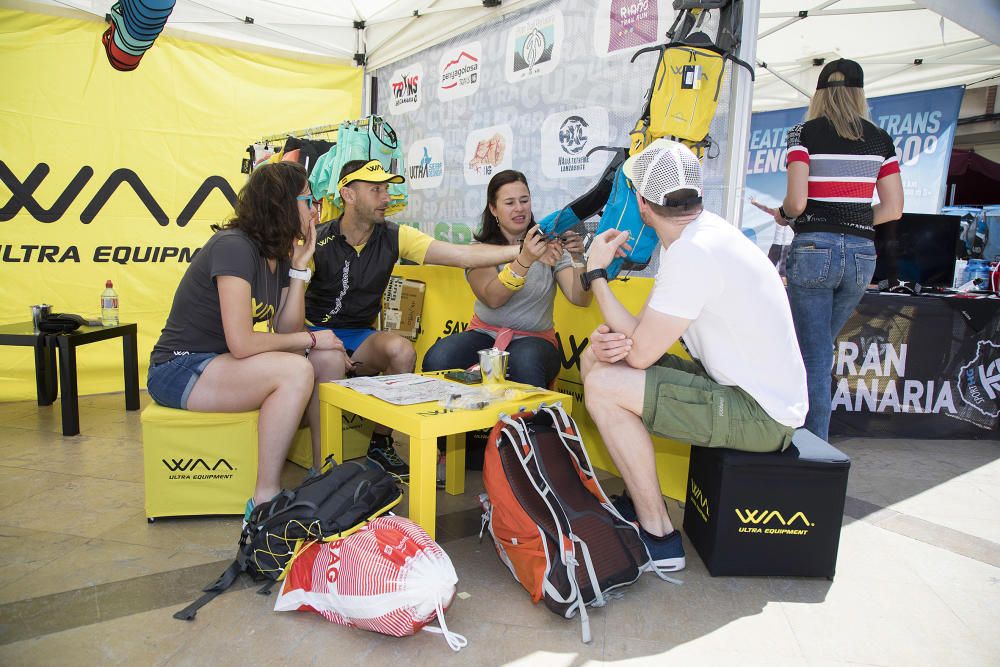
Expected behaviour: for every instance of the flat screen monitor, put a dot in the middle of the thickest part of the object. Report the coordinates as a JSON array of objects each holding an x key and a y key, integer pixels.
[{"x": 918, "y": 248}]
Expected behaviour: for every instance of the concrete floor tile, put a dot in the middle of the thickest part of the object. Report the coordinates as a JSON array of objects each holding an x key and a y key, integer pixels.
[
  {"x": 887, "y": 628},
  {"x": 956, "y": 503},
  {"x": 214, "y": 538},
  {"x": 18, "y": 485},
  {"x": 92, "y": 562},
  {"x": 149, "y": 638},
  {"x": 83, "y": 455},
  {"x": 26, "y": 551},
  {"x": 704, "y": 652},
  {"x": 83, "y": 506},
  {"x": 733, "y": 611}
]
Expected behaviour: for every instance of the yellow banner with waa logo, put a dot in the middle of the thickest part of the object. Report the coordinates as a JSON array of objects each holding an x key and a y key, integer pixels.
[{"x": 108, "y": 175}]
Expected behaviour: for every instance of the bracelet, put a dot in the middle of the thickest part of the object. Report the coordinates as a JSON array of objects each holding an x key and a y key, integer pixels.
[
  {"x": 313, "y": 336},
  {"x": 781, "y": 212},
  {"x": 509, "y": 279},
  {"x": 518, "y": 260}
]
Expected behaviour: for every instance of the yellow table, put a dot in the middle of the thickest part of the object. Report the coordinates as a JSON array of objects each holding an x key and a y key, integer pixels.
[{"x": 423, "y": 423}]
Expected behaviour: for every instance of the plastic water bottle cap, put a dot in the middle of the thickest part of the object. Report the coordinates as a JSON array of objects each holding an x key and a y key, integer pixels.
[{"x": 108, "y": 284}]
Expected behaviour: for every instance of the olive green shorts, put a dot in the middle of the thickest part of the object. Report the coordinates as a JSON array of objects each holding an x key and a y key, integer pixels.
[{"x": 683, "y": 403}]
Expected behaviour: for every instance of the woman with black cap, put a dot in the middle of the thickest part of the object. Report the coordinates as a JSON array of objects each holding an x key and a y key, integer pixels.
[{"x": 837, "y": 160}]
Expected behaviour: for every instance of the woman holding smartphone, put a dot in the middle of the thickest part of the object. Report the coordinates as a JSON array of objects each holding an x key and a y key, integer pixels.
[{"x": 837, "y": 160}]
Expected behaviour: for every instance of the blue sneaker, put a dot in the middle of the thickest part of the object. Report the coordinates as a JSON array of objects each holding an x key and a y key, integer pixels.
[
  {"x": 246, "y": 514},
  {"x": 667, "y": 552},
  {"x": 623, "y": 504}
]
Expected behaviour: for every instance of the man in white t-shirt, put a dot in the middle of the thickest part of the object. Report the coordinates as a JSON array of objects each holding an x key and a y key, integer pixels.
[{"x": 716, "y": 291}]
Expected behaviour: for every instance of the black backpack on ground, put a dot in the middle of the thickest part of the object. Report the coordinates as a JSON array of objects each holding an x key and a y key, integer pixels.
[{"x": 329, "y": 506}]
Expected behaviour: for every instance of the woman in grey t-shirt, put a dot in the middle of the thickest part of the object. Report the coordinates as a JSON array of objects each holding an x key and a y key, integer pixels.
[
  {"x": 253, "y": 269},
  {"x": 514, "y": 301}
]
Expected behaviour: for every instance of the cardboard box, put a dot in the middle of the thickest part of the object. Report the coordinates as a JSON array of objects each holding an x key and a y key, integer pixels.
[
  {"x": 768, "y": 514},
  {"x": 402, "y": 305}
]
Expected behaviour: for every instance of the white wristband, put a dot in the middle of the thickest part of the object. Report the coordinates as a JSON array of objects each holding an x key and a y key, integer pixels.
[{"x": 305, "y": 275}]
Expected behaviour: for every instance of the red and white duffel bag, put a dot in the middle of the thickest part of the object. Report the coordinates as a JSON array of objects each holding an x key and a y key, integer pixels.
[{"x": 388, "y": 577}]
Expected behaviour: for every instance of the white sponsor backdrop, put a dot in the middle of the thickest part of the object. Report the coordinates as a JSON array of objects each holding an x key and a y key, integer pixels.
[{"x": 534, "y": 92}]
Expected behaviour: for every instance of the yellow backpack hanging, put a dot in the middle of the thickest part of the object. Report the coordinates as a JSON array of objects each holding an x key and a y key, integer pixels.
[{"x": 685, "y": 90}]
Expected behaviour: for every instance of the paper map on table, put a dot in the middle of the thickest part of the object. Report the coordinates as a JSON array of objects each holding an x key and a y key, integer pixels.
[{"x": 406, "y": 388}]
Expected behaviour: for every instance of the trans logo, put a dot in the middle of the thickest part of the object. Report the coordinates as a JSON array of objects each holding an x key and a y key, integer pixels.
[
  {"x": 979, "y": 380},
  {"x": 406, "y": 88}
]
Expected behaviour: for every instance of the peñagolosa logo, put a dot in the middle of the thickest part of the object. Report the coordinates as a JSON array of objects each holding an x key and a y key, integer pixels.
[{"x": 979, "y": 380}]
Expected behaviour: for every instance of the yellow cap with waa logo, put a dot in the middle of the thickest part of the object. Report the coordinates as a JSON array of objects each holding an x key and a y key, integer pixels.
[{"x": 370, "y": 172}]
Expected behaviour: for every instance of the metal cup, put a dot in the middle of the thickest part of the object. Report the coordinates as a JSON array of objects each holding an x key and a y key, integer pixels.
[
  {"x": 39, "y": 313},
  {"x": 493, "y": 365}
]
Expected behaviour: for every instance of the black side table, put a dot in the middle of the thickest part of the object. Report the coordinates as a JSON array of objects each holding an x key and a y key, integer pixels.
[
  {"x": 46, "y": 345},
  {"x": 22, "y": 334}
]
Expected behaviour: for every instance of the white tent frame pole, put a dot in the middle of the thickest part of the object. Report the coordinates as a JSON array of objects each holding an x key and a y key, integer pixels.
[
  {"x": 843, "y": 12},
  {"x": 740, "y": 108},
  {"x": 777, "y": 76},
  {"x": 414, "y": 20},
  {"x": 796, "y": 18}
]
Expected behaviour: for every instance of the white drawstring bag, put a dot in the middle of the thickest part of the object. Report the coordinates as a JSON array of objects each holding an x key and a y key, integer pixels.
[{"x": 389, "y": 577}]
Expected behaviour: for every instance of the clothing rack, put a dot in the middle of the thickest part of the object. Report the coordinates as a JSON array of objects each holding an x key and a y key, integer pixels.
[{"x": 319, "y": 129}]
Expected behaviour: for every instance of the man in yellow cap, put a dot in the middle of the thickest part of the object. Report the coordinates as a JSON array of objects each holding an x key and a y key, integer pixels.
[{"x": 354, "y": 259}]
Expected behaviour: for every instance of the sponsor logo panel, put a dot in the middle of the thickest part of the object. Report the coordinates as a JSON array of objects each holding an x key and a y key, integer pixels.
[
  {"x": 979, "y": 380},
  {"x": 191, "y": 468},
  {"x": 406, "y": 89},
  {"x": 755, "y": 521},
  {"x": 487, "y": 151},
  {"x": 624, "y": 25},
  {"x": 568, "y": 136},
  {"x": 425, "y": 162},
  {"x": 533, "y": 47},
  {"x": 459, "y": 71}
]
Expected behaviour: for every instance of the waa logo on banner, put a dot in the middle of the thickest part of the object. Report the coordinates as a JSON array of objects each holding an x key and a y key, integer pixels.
[{"x": 22, "y": 195}]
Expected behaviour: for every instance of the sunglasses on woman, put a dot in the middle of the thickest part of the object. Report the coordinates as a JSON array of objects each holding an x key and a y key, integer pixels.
[{"x": 308, "y": 199}]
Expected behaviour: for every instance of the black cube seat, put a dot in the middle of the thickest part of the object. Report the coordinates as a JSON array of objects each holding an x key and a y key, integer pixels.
[{"x": 776, "y": 514}]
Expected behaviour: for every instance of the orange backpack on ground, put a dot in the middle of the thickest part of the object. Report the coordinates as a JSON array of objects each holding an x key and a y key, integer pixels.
[{"x": 551, "y": 522}]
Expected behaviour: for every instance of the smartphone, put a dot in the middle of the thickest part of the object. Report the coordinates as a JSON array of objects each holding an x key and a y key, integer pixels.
[{"x": 465, "y": 377}]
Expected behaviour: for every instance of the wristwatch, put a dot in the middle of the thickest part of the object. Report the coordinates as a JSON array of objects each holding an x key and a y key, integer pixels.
[
  {"x": 787, "y": 218},
  {"x": 589, "y": 277},
  {"x": 305, "y": 275}
]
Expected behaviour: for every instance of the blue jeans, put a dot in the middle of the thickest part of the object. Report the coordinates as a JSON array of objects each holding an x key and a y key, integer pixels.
[
  {"x": 827, "y": 275},
  {"x": 533, "y": 360}
]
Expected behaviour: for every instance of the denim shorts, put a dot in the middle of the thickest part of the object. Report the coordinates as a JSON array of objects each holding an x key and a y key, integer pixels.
[{"x": 170, "y": 383}]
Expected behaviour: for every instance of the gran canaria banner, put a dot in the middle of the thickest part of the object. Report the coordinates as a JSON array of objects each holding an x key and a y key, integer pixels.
[{"x": 108, "y": 175}]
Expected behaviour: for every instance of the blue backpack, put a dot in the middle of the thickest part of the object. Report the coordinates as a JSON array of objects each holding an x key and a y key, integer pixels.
[
  {"x": 622, "y": 213},
  {"x": 614, "y": 193},
  {"x": 588, "y": 204}
]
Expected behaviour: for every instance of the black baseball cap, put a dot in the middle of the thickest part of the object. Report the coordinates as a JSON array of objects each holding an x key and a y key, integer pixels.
[{"x": 854, "y": 76}]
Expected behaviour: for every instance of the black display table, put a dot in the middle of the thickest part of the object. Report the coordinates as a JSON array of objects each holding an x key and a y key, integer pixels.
[
  {"x": 46, "y": 346},
  {"x": 919, "y": 367}
]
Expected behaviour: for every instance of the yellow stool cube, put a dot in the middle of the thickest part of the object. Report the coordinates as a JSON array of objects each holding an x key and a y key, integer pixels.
[{"x": 198, "y": 463}]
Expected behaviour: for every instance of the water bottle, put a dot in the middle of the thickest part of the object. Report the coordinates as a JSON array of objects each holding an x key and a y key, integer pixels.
[{"x": 109, "y": 305}]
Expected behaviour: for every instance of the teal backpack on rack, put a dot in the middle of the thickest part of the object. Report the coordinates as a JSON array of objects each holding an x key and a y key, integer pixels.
[{"x": 369, "y": 138}]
